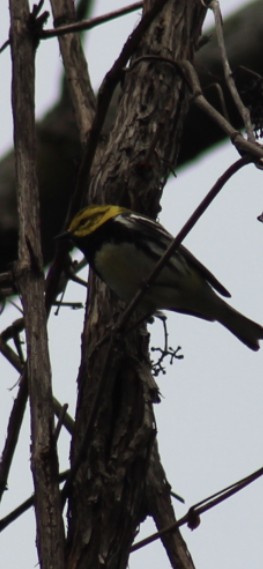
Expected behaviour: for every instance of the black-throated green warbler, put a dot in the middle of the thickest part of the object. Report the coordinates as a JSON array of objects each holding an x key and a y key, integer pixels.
[{"x": 123, "y": 247}]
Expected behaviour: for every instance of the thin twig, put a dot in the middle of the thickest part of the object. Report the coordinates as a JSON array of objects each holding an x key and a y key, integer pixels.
[
  {"x": 243, "y": 146},
  {"x": 198, "y": 509},
  {"x": 4, "y": 45},
  {"x": 23, "y": 507},
  {"x": 18, "y": 345},
  {"x": 13, "y": 430},
  {"x": 14, "y": 328},
  {"x": 160, "y": 508},
  {"x": 84, "y": 25},
  {"x": 192, "y": 516},
  {"x": 14, "y": 426},
  {"x": 73, "y": 305},
  {"x": 76, "y": 71},
  {"x": 12, "y": 516},
  {"x": 179, "y": 238},
  {"x": 61, "y": 419},
  {"x": 67, "y": 421},
  {"x": 10, "y": 355},
  {"x": 89, "y": 24},
  {"x": 244, "y": 112},
  {"x": 177, "y": 497}
]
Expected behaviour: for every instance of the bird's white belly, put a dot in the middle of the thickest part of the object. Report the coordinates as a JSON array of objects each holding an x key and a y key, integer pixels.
[{"x": 123, "y": 273}]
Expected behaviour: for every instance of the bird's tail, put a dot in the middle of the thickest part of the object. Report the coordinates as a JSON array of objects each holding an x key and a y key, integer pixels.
[{"x": 243, "y": 328}]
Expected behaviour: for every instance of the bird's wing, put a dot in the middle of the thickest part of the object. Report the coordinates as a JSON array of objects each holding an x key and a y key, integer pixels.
[
  {"x": 209, "y": 277},
  {"x": 158, "y": 240}
]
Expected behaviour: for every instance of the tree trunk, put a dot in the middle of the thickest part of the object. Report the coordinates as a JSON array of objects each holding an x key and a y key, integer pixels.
[{"x": 115, "y": 427}]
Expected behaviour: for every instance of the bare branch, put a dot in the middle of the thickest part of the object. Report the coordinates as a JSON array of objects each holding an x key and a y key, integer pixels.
[
  {"x": 82, "y": 96},
  {"x": 30, "y": 279},
  {"x": 22, "y": 508},
  {"x": 4, "y": 45},
  {"x": 160, "y": 508},
  {"x": 192, "y": 518},
  {"x": 10, "y": 355},
  {"x": 244, "y": 112},
  {"x": 13, "y": 430},
  {"x": 16, "y": 513},
  {"x": 14, "y": 426},
  {"x": 88, "y": 24},
  {"x": 67, "y": 420},
  {"x": 243, "y": 146}
]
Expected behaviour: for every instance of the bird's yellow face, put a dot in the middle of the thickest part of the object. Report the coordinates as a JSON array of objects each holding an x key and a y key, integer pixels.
[{"x": 91, "y": 218}]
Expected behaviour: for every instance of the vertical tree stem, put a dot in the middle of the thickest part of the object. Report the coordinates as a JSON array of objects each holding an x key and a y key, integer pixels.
[{"x": 30, "y": 277}]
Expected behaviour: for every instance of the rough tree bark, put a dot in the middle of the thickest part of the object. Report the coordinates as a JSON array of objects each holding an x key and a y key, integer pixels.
[
  {"x": 115, "y": 428},
  {"x": 117, "y": 478},
  {"x": 59, "y": 144}
]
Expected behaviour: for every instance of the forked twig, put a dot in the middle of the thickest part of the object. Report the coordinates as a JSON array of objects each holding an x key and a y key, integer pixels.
[
  {"x": 188, "y": 73},
  {"x": 214, "y": 5}
]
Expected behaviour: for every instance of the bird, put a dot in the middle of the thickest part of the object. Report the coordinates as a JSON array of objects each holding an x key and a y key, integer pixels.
[{"x": 123, "y": 247}]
